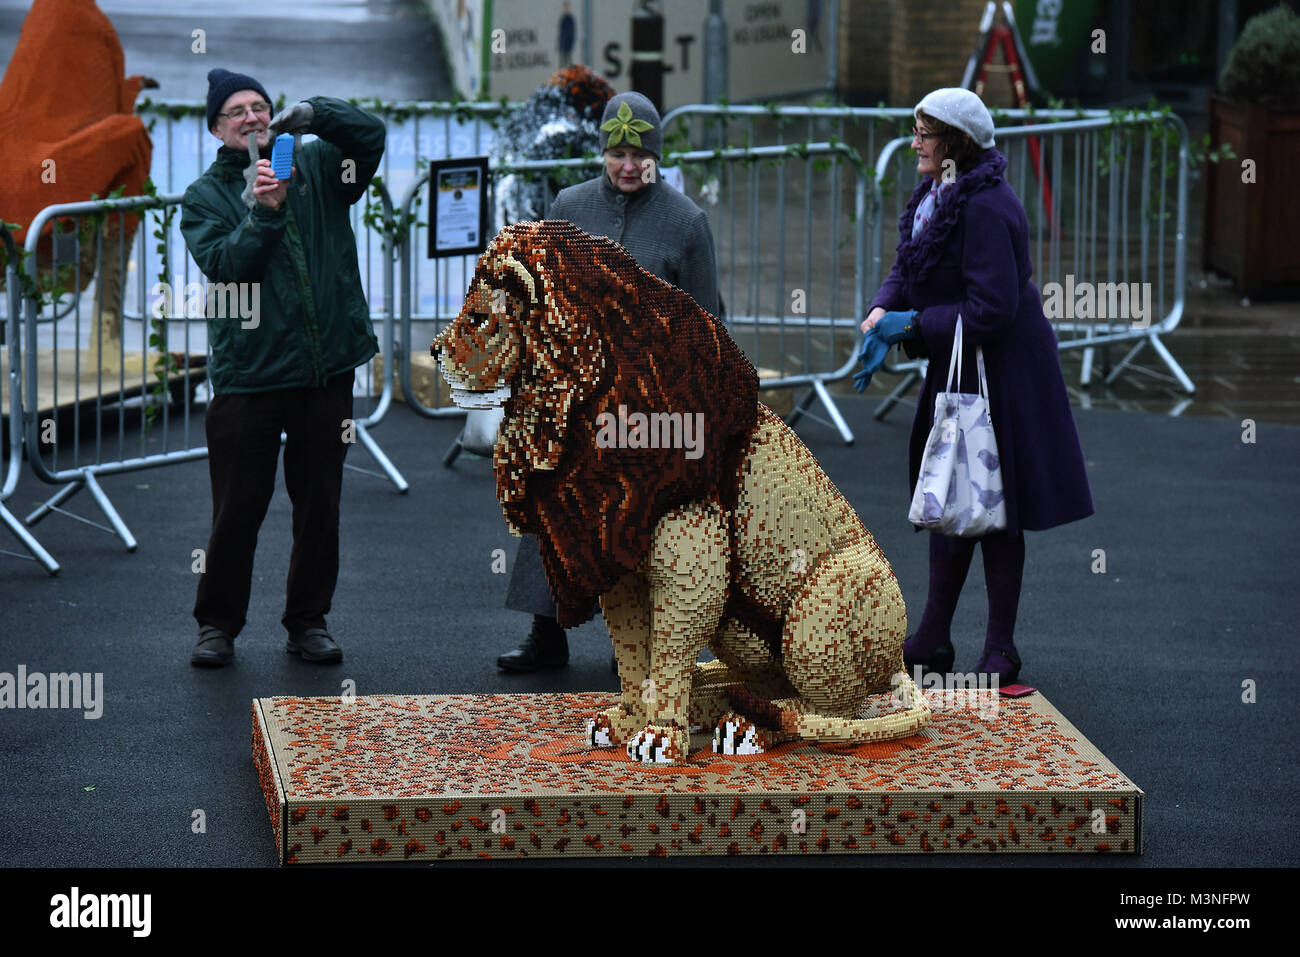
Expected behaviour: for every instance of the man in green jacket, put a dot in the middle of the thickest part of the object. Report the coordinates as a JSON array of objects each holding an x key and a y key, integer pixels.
[{"x": 288, "y": 323}]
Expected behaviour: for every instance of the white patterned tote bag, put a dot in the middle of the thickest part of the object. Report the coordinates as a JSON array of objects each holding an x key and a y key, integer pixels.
[{"x": 959, "y": 490}]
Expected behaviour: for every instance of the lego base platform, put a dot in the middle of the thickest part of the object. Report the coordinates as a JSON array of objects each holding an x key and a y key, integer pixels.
[{"x": 437, "y": 777}]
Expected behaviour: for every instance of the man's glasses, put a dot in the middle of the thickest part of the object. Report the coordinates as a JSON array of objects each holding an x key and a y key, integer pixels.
[
  {"x": 257, "y": 109},
  {"x": 920, "y": 134}
]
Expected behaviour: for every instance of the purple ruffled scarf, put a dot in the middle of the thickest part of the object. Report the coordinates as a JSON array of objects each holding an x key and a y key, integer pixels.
[{"x": 920, "y": 254}]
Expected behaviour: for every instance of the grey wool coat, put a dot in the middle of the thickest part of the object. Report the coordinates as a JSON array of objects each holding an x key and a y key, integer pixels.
[
  {"x": 666, "y": 233},
  {"x": 669, "y": 236}
]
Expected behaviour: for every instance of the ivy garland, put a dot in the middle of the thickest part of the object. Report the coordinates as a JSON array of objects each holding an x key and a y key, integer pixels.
[
  {"x": 394, "y": 226},
  {"x": 164, "y": 215}
]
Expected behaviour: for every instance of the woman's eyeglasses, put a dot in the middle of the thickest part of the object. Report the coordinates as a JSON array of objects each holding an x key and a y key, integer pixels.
[{"x": 919, "y": 134}]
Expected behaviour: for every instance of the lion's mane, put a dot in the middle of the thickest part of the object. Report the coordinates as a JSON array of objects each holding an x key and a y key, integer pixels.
[{"x": 599, "y": 332}]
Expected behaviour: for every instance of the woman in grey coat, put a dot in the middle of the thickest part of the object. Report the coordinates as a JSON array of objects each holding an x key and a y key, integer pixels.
[{"x": 669, "y": 236}]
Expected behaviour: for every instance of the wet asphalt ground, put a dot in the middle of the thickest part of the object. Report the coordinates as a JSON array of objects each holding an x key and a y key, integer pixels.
[{"x": 1150, "y": 659}]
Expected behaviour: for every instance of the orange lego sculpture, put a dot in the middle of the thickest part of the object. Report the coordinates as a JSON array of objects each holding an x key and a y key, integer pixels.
[
  {"x": 68, "y": 124},
  {"x": 67, "y": 114}
]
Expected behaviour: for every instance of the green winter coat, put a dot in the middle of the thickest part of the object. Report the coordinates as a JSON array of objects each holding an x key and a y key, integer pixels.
[{"x": 313, "y": 321}]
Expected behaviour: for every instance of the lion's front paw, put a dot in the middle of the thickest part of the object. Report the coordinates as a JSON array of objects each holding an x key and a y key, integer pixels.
[
  {"x": 737, "y": 735},
  {"x": 659, "y": 745},
  {"x": 600, "y": 732},
  {"x": 612, "y": 727}
]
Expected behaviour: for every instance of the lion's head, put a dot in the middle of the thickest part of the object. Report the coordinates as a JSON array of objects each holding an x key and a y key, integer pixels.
[{"x": 605, "y": 372}]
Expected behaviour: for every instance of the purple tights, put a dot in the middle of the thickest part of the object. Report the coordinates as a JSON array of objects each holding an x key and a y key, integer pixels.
[{"x": 950, "y": 558}]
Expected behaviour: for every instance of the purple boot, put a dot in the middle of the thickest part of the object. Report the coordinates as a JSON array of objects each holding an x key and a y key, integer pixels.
[
  {"x": 931, "y": 645},
  {"x": 1004, "y": 567}
]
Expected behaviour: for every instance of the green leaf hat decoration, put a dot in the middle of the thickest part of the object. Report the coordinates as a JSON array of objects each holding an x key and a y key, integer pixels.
[{"x": 622, "y": 126}]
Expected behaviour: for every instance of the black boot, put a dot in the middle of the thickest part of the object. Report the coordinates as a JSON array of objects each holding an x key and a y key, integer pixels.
[{"x": 545, "y": 647}]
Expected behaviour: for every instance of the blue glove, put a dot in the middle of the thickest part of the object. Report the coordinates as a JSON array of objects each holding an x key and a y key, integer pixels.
[
  {"x": 872, "y": 355},
  {"x": 894, "y": 327}
]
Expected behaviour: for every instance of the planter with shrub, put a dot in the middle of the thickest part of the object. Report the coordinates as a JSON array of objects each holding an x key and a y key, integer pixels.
[{"x": 1252, "y": 207}]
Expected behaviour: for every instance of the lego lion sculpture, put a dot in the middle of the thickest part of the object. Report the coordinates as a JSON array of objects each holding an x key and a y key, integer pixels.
[{"x": 634, "y": 446}]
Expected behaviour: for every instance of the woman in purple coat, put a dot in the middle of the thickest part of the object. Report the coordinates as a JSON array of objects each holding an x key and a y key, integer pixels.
[{"x": 964, "y": 250}]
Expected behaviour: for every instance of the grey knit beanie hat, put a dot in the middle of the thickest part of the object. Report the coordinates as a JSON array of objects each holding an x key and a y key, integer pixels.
[
  {"x": 962, "y": 109},
  {"x": 631, "y": 120}
]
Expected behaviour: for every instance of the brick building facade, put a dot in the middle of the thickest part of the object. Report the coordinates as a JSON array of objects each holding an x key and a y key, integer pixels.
[{"x": 896, "y": 51}]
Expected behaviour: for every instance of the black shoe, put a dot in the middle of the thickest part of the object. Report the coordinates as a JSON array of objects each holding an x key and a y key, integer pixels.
[
  {"x": 939, "y": 660},
  {"x": 315, "y": 644},
  {"x": 215, "y": 649},
  {"x": 545, "y": 647}
]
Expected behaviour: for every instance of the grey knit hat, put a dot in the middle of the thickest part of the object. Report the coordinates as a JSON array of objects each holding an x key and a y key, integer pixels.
[
  {"x": 631, "y": 120},
  {"x": 222, "y": 84},
  {"x": 962, "y": 109}
]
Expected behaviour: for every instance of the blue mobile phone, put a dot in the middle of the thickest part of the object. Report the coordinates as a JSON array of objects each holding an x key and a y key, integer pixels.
[{"x": 282, "y": 156}]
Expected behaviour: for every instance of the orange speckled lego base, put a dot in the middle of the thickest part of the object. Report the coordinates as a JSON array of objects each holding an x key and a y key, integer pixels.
[{"x": 436, "y": 777}]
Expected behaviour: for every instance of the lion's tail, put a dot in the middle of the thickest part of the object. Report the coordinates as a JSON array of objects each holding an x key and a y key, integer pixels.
[{"x": 816, "y": 727}]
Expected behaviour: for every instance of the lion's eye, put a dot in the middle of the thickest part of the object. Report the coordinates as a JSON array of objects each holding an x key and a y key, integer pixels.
[{"x": 481, "y": 319}]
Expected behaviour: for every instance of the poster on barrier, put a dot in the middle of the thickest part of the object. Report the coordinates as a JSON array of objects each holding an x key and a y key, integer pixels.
[{"x": 458, "y": 223}]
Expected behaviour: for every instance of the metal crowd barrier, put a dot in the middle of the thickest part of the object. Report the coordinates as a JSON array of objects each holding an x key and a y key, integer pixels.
[
  {"x": 376, "y": 271},
  {"x": 795, "y": 337},
  {"x": 800, "y": 340},
  {"x": 11, "y": 406},
  {"x": 806, "y": 348},
  {"x": 765, "y": 288},
  {"x": 874, "y": 124},
  {"x": 1123, "y": 191},
  {"x": 417, "y": 132},
  {"x": 1110, "y": 231},
  {"x": 71, "y": 367},
  {"x": 388, "y": 329},
  {"x": 89, "y": 357}
]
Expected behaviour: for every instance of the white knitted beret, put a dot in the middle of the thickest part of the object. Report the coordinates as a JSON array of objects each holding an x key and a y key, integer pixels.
[{"x": 962, "y": 109}]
